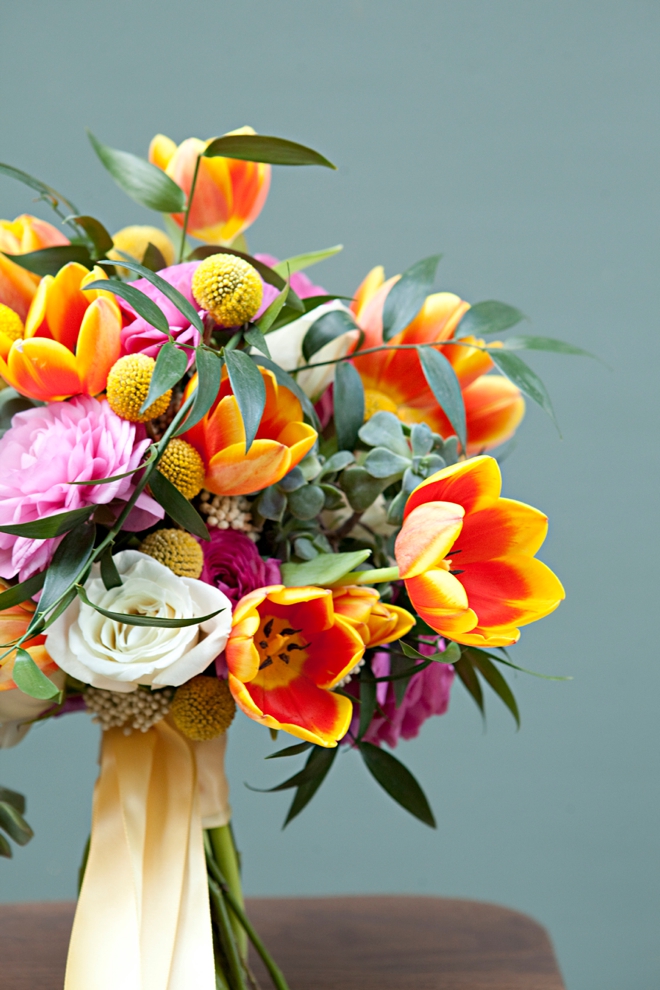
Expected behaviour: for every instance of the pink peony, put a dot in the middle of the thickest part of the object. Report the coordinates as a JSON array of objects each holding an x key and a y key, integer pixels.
[
  {"x": 138, "y": 336},
  {"x": 232, "y": 564},
  {"x": 427, "y": 694},
  {"x": 50, "y": 446}
]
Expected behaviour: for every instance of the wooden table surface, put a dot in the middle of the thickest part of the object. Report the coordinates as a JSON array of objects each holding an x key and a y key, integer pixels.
[{"x": 370, "y": 943}]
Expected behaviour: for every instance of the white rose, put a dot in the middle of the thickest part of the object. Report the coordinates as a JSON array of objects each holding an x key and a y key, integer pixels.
[
  {"x": 17, "y": 710},
  {"x": 285, "y": 347},
  {"x": 117, "y": 657}
]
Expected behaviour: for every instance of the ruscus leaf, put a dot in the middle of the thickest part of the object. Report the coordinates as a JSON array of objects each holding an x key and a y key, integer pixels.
[
  {"x": 290, "y": 751},
  {"x": 69, "y": 561},
  {"x": 170, "y": 367},
  {"x": 446, "y": 388},
  {"x": 143, "y": 182},
  {"x": 407, "y": 295},
  {"x": 527, "y": 380},
  {"x": 95, "y": 232},
  {"x": 398, "y": 781},
  {"x": 300, "y": 261},
  {"x": 27, "y": 676},
  {"x": 14, "y": 798},
  {"x": 128, "y": 619},
  {"x": 328, "y": 327},
  {"x": 21, "y": 592},
  {"x": 177, "y": 505},
  {"x": 49, "y": 526},
  {"x": 175, "y": 297},
  {"x": 322, "y": 760},
  {"x": 142, "y": 304},
  {"x": 348, "y": 405},
  {"x": 47, "y": 192},
  {"x": 14, "y": 824},
  {"x": 487, "y": 317},
  {"x": 209, "y": 375},
  {"x": 284, "y": 378},
  {"x": 265, "y": 149},
  {"x": 247, "y": 384},
  {"x": 48, "y": 261},
  {"x": 492, "y": 676}
]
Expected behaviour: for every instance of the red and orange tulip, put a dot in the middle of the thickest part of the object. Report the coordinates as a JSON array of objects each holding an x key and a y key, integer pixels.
[
  {"x": 394, "y": 380},
  {"x": 377, "y": 622},
  {"x": 288, "y": 648},
  {"x": 20, "y": 236},
  {"x": 13, "y": 624},
  {"x": 72, "y": 338},
  {"x": 467, "y": 556},
  {"x": 229, "y": 194},
  {"x": 282, "y": 440}
]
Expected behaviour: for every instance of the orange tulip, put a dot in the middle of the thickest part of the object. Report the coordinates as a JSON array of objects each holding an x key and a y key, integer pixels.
[
  {"x": 72, "y": 338},
  {"x": 287, "y": 650},
  {"x": 394, "y": 380},
  {"x": 467, "y": 556},
  {"x": 13, "y": 624},
  {"x": 377, "y": 622},
  {"x": 282, "y": 440},
  {"x": 229, "y": 194},
  {"x": 20, "y": 236}
]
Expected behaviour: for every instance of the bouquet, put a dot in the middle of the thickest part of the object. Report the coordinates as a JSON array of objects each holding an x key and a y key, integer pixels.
[{"x": 225, "y": 487}]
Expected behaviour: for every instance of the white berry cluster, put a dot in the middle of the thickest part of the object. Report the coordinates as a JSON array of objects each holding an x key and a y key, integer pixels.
[
  {"x": 353, "y": 672},
  {"x": 228, "y": 512},
  {"x": 133, "y": 710}
]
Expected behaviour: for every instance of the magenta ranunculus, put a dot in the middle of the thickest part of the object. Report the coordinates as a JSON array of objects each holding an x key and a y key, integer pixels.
[
  {"x": 301, "y": 285},
  {"x": 46, "y": 449},
  {"x": 138, "y": 336},
  {"x": 232, "y": 564},
  {"x": 427, "y": 694}
]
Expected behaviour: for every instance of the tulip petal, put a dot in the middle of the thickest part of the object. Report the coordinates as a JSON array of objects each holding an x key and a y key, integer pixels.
[
  {"x": 303, "y": 709},
  {"x": 17, "y": 287},
  {"x": 427, "y": 535},
  {"x": 494, "y": 408},
  {"x": 99, "y": 345},
  {"x": 437, "y": 591},
  {"x": 504, "y": 528},
  {"x": 474, "y": 484},
  {"x": 161, "y": 151},
  {"x": 336, "y": 652},
  {"x": 233, "y": 472},
  {"x": 66, "y": 304},
  {"x": 513, "y": 591},
  {"x": 43, "y": 369}
]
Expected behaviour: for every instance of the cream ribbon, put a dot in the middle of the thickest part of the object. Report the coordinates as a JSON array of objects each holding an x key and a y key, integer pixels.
[{"x": 143, "y": 919}]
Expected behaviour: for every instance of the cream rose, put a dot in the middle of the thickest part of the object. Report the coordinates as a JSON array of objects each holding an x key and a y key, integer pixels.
[
  {"x": 17, "y": 710},
  {"x": 116, "y": 656}
]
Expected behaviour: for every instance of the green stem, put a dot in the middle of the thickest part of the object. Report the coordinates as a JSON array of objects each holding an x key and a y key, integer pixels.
[
  {"x": 378, "y": 575},
  {"x": 184, "y": 231},
  {"x": 224, "y": 853},
  {"x": 392, "y": 347},
  {"x": 227, "y": 935}
]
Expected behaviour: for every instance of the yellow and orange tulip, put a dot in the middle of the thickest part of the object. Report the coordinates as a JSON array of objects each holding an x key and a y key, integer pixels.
[
  {"x": 287, "y": 650},
  {"x": 282, "y": 440},
  {"x": 13, "y": 624},
  {"x": 20, "y": 236},
  {"x": 467, "y": 557},
  {"x": 394, "y": 380},
  {"x": 377, "y": 622},
  {"x": 229, "y": 194},
  {"x": 71, "y": 341}
]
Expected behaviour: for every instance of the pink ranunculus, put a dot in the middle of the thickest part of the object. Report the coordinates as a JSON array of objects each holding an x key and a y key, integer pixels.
[
  {"x": 301, "y": 285},
  {"x": 51, "y": 446},
  {"x": 138, "y": 336},
  {"x": 427, "y": 694},
  {"x": 232, "y": 564}
]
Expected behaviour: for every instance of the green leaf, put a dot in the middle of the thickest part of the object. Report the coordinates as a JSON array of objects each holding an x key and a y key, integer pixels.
[
  {"x": 109, "y": 573},
  {"x": 527, "y": 380},
  {"x": 95, "y": 232},
  {"x": 21, "y": 592},
  {"x": 492, "y": 676},
  {"x": 368, "y": 700},
  {"x": 406, "y": 297},
  {"x": 324, "y": 570},
  {"x": 446, "y": 656},
  {"x": 543, "y": 344},
  {"x": 301, "y": 261},
  {"x": 143, "y": 182},
  {"x": 142, "y": 304},
  {"x": 177, "y": 506},
  {"x": 170, "y": 367},
  {"x": 468, "y": 676},
  {"x": 321, "y": 759},
  {"x": 348, "y": 404},
  {"x": 271, "y": 503},
  {"x": 209, "y": 372},
  {"x": 30, "y": 679},
  {"x": 290, "y": 751},
  {"x": 384, "y": 430},
  {"x": 247, "y": 384},
  {"x": 48, "y": 261},
  {"x": 308, "y": 772},
  {"x": 14, "y": 798},
  {"x": 337, "y": 462},
  {"x": 117, "y": 477},
  {"x": 168, "y": 290},
  {"x": 361, "y": 489},
  {"x": 381, "y": 463},
  {"x": 306, "y": 502},
  {"x": 14, "y": 824},
  {"x": 446, "y": 389},
  {"x": 254, "y": 336},
  {"x": 50, "y": 526},
  {"x": 283, "y": 378},
  {"x": 153, "y": 259},
  {"x": 69, "y": 561},
  {"x": 489, "y": 316},
  {"x": 268, "y": 150},
  {"x": 145, "y": 620},
  {"x": 46, "y": 192},
  {"x": 398, "y": 781},
  {"x": 328, "y": 327},
  {"x": 5, "y": 848},
  {"x": 270, "y": 314}
]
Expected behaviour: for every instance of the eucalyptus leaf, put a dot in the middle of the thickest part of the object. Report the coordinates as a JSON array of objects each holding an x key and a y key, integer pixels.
[
  {"x": 324, "y": 570},
  {"x": 543, "y": 344},
  {"x": 381, "y": 463},
  {"x": 177, "y": 506},
  {"x": 170, "y": 367},
  {"x": 527, "y": 380},
  {"x": 48, "y": 261},
  {"x": 446, "y": 389},
  {"x": 247, "y": 384},
  {"x": 300, "y": 261},
  {"x": 406, "y": 297},
  {"x": 262, "y": 148},
  {"x": 384, "y": 430},
  {"x": 321, "y": 760},
  {"x": 487, "y": 317},
  {"x": 398, "y": 781},
  {"x": 142, "y": 304},
  {"x": 348, "y": 405},
  {"x": 334, "y": 498},
  {"x": 306, "y": 502},
  {"x": 304, "y": 548},
  {"x": 292, "y": 481},
  {"x": 27, "y": 676},
  {"x": 49, "y": 526},
  {"x": 128, "y": 619},
  {"x": 175, "y": 297},
  {"x": 143, "y": 182},
  {"x": 209, "y": 376},
  {"x": 421, "y": 439},
  {"x": 271, "y": 503},
  {"x": 68, "y": 563},
  {"x": 361, "y": 489},
  {"x": 337, "y": 462}
]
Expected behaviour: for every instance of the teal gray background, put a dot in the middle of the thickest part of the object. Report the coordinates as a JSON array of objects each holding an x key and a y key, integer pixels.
[{"x": 521, "y": 139}]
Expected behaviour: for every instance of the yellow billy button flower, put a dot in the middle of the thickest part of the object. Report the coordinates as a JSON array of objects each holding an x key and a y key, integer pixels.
[
  {"x": 182, "y": 465},
  {"x": 128, "y": 387},
  {"x": 229, "y": 288},
  {"x": 203, "y": 708},
  {"x": 175, "y": 549},
  {"x": 11, "y": 325}
]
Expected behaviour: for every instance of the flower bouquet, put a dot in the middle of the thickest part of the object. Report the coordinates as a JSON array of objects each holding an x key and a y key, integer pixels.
[{"x": 225, "y": 487}]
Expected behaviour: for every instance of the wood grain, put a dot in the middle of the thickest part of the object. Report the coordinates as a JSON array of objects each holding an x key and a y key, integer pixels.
[{"x": 370, "y": 943}]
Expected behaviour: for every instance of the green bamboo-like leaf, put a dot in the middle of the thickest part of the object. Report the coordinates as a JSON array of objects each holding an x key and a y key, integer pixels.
[
  {"x": 145, "y": 620},
  {"x": 47, "y": 192},
  {"x": 348, "y": 405},
  {"x": 300, "y": 261},
  {"x": 109, "y": 573},
  {"x": 254, "y": 336},
  {"x": 5, "y": 848},
  {"x": 177, "y": 506},
  {"x": 69, "y": 561},
  {"x": 14, "y": 824},
  {"x": 247, "y": 384},
  {"x": 490, "y": 673},
  {"x": 209, "y": 376},
  {"x": 267, "y": 273},
  {"x": 30, "y": 679},
  {"x": 527, "y": 380},
  {"x": 308, "y": 772},
  {"x": 284, "y": 378},
  {"x": 447, "y": 656},
  {"x": 368, "y": 700},
  {"x": 95, "y": 232},
  {"x": 153, "y": 258},
  {"x": 290, "y": 751},
  {"x": 544, "y": 344},
  {"x": 398, "y": 781},
  {"x": 271, "y": 313},
  {"x": 407, "y": 295},
  {"x": 170, "y": 367},
  {"x": 168, "y": 290},
  {"x": 468, "y": 676},
  {"x": 49, "y": 526},
  {"x": 324, "y": 570},
  {"x": 143, "y": 182},
  {"x": 321, "y": 759},
  {"x": 262, "y": 148},
  {"x": 48, "y": 261},
  {"x": 152, "y": 451},
  {"x": 328, "y": 327},
  {"x": 14, "y": 798},
  {"x": 446, "y": 389},
  {"x": 21, "y": 592},
  {"x": 487, "y": 317},
  {"x": 143, "y": 305}
]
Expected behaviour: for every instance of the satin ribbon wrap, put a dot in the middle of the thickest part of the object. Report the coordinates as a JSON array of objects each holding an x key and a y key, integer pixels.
[{"x": 143, "y": 919}]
